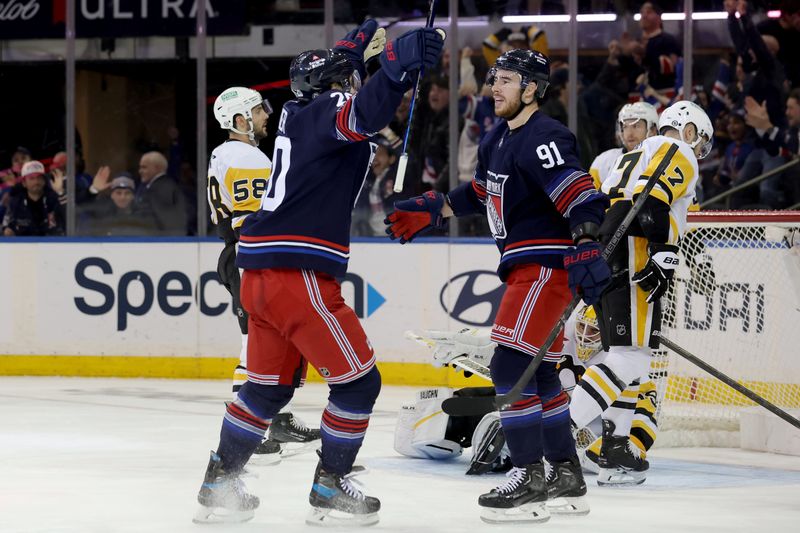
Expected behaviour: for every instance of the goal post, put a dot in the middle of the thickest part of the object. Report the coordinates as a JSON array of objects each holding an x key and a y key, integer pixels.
[{"x": 735, "y": 303}]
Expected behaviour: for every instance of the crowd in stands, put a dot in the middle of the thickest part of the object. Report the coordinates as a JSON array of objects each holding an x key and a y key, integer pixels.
[{"x": 752, "y": 94}]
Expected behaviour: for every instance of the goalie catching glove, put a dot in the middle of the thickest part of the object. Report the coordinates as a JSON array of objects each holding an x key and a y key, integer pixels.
[
  {"x": 657, "y": 273},
  {"x": 414, "y": 216}
]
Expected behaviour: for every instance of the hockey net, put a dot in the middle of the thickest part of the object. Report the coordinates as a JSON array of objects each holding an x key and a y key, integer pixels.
[{"x": 735, "y": 304}]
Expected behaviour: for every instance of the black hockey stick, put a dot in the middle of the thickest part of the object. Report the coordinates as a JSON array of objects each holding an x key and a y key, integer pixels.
[
  {"x": 763, "y": 402},
  {"x": 402, "y": 161},
  {"x": 475, "y": 406}
]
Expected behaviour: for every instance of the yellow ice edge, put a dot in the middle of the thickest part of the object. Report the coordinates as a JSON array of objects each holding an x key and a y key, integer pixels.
[{"x": 392, "y": 373}]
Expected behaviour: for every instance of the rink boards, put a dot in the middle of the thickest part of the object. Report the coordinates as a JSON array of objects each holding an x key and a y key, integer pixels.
[{"x": 156, "y": 308}]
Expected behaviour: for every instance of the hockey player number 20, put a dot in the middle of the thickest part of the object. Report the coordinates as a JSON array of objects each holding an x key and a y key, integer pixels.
[
  {"x": 281, "y": 160},
  {"x": 546, "y": 153}
]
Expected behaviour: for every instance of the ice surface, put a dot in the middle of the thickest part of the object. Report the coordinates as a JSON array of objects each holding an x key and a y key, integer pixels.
[{"x": 127, "y": 455}]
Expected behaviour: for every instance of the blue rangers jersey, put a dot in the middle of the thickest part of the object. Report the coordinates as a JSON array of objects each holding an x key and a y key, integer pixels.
[
  {"x": 533, "y": 190},
  {"x": 320, "y": 161}
]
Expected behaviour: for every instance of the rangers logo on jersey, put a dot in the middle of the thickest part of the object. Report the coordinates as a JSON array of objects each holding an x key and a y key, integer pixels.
[{"x": 494, "y": 203}]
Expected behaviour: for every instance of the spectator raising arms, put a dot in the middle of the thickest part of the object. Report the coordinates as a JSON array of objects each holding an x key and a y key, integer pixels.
[{"x": 37, "y": 212}]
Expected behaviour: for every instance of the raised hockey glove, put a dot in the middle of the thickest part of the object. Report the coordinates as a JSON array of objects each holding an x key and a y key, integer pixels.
[
  {"x": 658, "y": 271},
  {"x": 587, "y": 272},
  {"x": 412, "y": 50},
  {"x": 356, "y": 43},
  {"x": 414, "y": 216}
]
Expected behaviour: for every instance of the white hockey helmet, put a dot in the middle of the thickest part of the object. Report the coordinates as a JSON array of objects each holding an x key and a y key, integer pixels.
[
  {"x": 238, "y": 101},
  {"x": 638, "y": 111},
  {"x": 684, "y": 112}
]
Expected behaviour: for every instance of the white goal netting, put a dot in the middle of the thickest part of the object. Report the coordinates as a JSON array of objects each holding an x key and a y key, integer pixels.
[{"x": 735, "y": 304}]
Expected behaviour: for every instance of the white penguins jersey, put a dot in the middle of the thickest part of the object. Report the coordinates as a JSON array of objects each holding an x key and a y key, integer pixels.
[
  {"x": 602, "y": 165},
  {"x": 676, "y": 187},
  {"x": 237, "y": 178}
]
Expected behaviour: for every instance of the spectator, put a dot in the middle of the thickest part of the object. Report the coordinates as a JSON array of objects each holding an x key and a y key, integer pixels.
[
  {"x": 763, "y": 84},
  {"x": 661, "y": 50},
  {"x": 431, "y": 138},
  {"x": 117, "y": 214},
  {"x": 159, "y": 195},
  {"x": 36, "y": 212},
  {"x": 10, "y": 178},
  {"x": 531, "y": 37},
  {"x": 735, "y": 156},
  {"x": 786, "y": 31},
  {"x": 779, "y": 140},
  {"x": 86, "y": 187}
]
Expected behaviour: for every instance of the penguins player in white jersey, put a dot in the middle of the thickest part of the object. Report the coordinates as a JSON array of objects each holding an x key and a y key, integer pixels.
[
  {"x": 238, "y": 173},
  {"x": 635, "y": 123},
  {"x": 642, "y": 266}
]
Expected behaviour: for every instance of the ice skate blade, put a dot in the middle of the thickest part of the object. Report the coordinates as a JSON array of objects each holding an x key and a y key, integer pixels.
[
  {"x": 568, "y": 506},
  {"x": 289, "y": 449},
  {"x": 331, "y": 518},
  {"x": 530, "y": 513},
  {"x": 620, "y": 477},
  {"x": 265, "y": 459},
  {"x": 220, "y": 515}
]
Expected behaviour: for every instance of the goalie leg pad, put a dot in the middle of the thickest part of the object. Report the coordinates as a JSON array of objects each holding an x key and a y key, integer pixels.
[{"x": 422, "y": 427}]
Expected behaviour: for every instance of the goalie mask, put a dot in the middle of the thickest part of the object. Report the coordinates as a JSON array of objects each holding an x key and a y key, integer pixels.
[
  {"x": 314, "y": 71},
  {"x": 587, "y": 333},
  {"x": 239, "y": 101}
]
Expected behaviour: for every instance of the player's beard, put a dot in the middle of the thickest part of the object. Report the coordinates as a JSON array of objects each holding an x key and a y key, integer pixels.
[{"x": 509, "y": 109}]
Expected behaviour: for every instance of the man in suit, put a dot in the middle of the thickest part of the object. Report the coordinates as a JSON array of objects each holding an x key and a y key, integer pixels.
[{"x": 160, "y": 195}]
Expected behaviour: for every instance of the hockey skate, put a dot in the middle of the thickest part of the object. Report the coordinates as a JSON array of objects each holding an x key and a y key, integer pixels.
[
  {"x": 292, "y": 435},
  {"x": 223, "y": 496},
  {"x": 266, "y": 454},
  {"x": 521, "y": 499},
  {"x": 337, "y": 501},
  {"x": 566, "y": 489},
  {"x": 620, "y": 461}
]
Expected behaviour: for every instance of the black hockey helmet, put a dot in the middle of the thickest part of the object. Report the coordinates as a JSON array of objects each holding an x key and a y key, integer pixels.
[
  {"x": 529, "y": 64},
  {"x": 314, "y": 71}
]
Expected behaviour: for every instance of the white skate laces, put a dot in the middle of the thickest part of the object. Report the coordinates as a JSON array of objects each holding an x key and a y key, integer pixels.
[
  {"x": 515, "y": 478},
  {"x": 634, "y": 450},
  {"x": 348, "y": 485},
  {"x": 297, "y": 424}
]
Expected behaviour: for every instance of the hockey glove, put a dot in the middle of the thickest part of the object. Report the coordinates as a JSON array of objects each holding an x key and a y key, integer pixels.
[
  {"x": 356, "y": 43},
  {"x": 657, "y": 273},
  {"x": 587, "y": 272},
  {"x": 414, "y": 216},
  {"x": 412, "y": 50}
]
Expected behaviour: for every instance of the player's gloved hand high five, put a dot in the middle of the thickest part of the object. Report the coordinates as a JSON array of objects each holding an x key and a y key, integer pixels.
[
  {"x": 587, "y": 272},
  {"x": 412, "y": 50},
  {"x": 414, "y": 216},
  {"x": 658, "y": 271},
  {"x": 362, "y": 43}
]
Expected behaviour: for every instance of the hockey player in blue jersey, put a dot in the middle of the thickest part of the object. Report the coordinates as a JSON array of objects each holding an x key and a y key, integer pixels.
[
  {"x": 291, "y": 251},
  {"x": 545, "y": 214}
]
